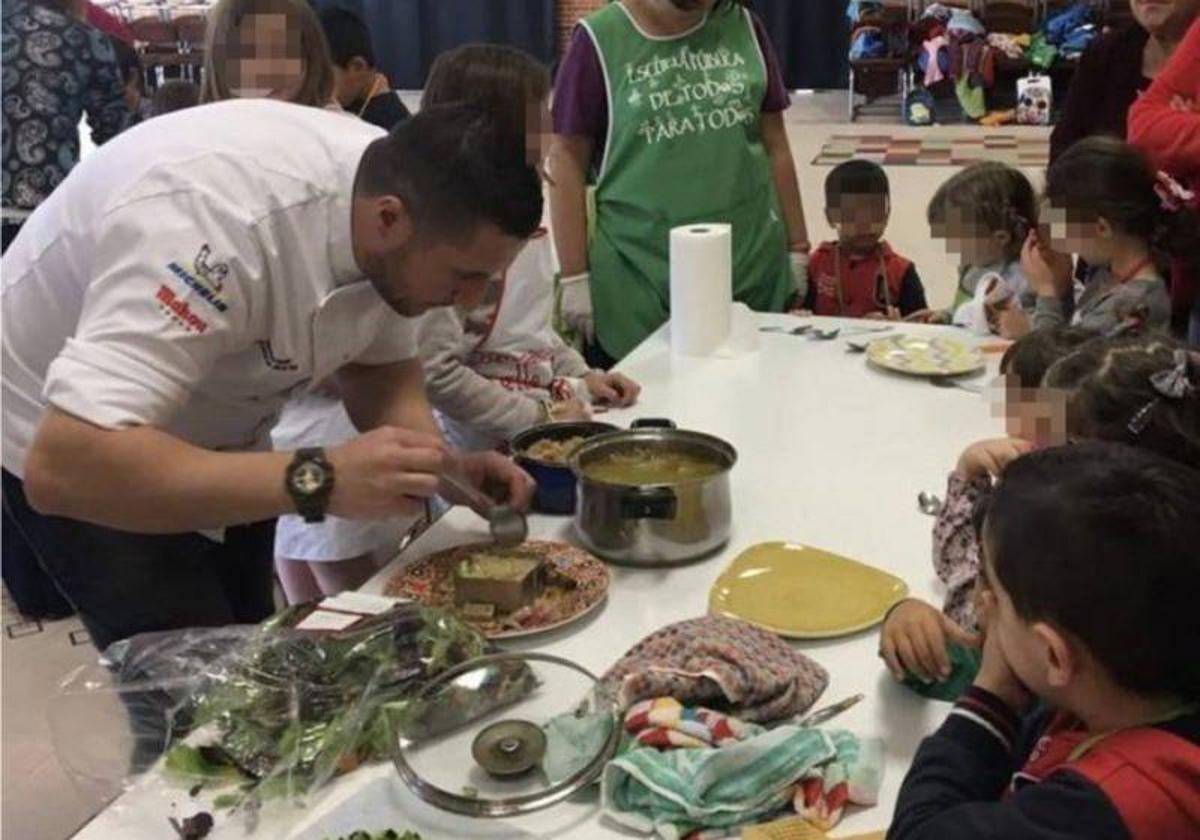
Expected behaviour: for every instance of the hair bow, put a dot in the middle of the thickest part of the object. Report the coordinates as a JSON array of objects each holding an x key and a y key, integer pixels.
[
  {"x": 1174, "y": 383},
  {"x": 1173, "y": 195}
]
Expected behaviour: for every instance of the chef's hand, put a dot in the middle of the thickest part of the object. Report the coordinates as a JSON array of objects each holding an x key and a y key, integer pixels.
[
  {"x": 577, "y": 305},
  {"x": 498, "y": 477},
  {"x": 385, "y": 473},
  {"x": 614, "y": 389},
  {"x": 1048, "y": 272},
  {"x": 913, "y": 641},
  {"x": 988, "y": 458},
  {"x": 997, "y": 676}
]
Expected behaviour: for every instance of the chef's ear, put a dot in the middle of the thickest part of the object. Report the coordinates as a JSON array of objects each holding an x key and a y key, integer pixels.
[{"x": 393, "y": 219}]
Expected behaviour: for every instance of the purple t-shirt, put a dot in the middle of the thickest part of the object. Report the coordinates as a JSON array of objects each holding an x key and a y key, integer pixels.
[{"x": 581, "y": 101}]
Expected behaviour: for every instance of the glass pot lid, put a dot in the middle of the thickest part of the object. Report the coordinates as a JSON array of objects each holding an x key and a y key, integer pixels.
[{"x": 505, "y": 735}]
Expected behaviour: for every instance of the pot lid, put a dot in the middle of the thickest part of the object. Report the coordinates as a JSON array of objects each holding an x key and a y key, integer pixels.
[{"x": 505, "y": 735}]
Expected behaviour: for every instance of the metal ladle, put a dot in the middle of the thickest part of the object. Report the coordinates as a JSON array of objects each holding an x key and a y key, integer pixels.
[{"x": 508, "y": 527}]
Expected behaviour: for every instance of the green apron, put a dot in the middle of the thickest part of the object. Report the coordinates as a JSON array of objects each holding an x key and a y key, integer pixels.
[{"x": 684, "y": 146}]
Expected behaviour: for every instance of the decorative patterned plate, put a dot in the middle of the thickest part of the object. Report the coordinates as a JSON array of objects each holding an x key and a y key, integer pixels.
[
  {"x": 804, "y": 593},
  {"x": 431, "y": 581},
  {"x": 925, "y": 356}
]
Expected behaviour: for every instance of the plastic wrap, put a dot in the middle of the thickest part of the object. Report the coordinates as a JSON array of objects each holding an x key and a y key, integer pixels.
[{"x": 251, "y": 714}]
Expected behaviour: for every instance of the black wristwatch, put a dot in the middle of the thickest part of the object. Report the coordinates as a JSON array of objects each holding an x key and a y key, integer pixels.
[{"x": 309, "y": 481}]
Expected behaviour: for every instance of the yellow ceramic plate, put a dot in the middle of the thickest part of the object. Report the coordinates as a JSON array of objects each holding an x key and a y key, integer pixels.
[
  {"x": 925, "y": 356},
  {"x": 804, "y": 593}
]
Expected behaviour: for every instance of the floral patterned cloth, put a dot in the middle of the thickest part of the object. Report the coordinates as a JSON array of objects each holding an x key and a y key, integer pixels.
[
  {"x": 956, "y": 547},
  {"x": 721, "y": 663},
  {"x": 56, "y": 68}
]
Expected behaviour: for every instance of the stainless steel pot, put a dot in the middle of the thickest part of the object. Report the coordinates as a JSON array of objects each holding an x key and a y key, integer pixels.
[{"x": 655, "y": 524}]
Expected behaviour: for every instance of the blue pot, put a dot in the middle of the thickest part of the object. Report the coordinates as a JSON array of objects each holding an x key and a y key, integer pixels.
[{"x": 555, "y": 482}]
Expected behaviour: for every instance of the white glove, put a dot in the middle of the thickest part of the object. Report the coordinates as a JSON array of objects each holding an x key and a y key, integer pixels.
[
  {"x": 577, "y": 305},
  {"x": 800, "y": 261}
]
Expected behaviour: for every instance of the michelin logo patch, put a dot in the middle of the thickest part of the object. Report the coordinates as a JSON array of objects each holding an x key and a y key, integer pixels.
[{"x": 206, "y": 279}]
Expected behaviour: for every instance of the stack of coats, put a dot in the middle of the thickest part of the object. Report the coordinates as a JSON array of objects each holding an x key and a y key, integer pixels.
[
  {"x": 955, "y": 46},
  {"x": 1067, "y": 33},
  {"x": 871, "y": 36}
]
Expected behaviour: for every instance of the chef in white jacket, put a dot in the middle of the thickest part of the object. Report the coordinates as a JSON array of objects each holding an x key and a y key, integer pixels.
[{"x": 188, "y": 277}]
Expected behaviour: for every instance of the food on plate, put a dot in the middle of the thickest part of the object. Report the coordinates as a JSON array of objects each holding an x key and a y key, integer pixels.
[
  {"x": 507, "y": 582},
  {"x": 650, "y": 465},
  {"x": 390, "y": 834},
  {"x": 490, "y": 588},
  {"x": 554, "y": 451}
]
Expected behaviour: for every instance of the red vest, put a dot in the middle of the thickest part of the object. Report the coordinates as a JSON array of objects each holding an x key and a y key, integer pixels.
[
  {"x": 860, "y": 280},
  {"x": 1151, "y": 777}
]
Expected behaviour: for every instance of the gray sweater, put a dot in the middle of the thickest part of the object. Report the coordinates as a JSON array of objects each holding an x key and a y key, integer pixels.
[{"x": 1104, "y": 305}]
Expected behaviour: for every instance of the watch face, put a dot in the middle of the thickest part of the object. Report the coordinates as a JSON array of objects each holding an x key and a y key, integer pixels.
[{"x": 308, "y": 478}]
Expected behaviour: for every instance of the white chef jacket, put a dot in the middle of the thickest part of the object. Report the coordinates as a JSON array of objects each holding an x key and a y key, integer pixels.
[{"x": 190, "y": 275}]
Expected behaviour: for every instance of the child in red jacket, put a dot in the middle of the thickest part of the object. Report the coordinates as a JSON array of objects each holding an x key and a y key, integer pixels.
[{"x": 860, "y": 276}]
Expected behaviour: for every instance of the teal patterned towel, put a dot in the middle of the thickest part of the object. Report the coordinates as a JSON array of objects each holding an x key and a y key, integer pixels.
[{"x": 670, "y": 792}]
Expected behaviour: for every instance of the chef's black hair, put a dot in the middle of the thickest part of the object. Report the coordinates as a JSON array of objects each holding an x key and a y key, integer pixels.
[
  {"x": 1099, "y": 539},
  {"x": 455, "y": 167}
]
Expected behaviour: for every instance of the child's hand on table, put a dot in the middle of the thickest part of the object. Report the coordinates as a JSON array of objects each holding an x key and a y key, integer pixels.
[
  {"x": 613, "y": 389},
  {"x": 988, "y": 458},
  {"x": 570, "y": 411},
  {"x": 892, "y": 314},
  {"x": 1048, "y": 272},
  {"x": 914, "y": 638},
  {"x": 928, "y": 316}
]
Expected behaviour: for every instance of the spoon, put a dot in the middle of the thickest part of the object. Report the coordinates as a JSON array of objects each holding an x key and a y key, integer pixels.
[
  {"x": 800, "y": 330},
  {"x": 507, "y": 526},
  {"x": 824, "y": 335},
  {"x": 942, "y": 382},
  {"x": 829, "y": 712},
  {"x": 929, "y": 504}
]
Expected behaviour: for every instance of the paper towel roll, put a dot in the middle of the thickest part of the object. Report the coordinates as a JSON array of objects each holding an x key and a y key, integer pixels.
[{"x": 701, "y": 287}]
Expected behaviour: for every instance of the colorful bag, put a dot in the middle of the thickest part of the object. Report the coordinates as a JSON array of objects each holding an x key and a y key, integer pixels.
[{"x": 1035, "y": 100}]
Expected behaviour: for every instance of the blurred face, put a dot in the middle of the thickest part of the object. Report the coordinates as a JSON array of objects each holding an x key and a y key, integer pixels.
[
  {"x": 539, "y": 131},
  {"x": 1036, "y": 415},
  {"x": 971, "y": 243},
  {"x": 266, "y": 61},
  {"x": 1074, "y": 232},
  {"x": 415, "y": 271},
  {"x": 352, "y": 82},
  {"x": 1164, "y": 16},
  {"x": 860, "y": 220}
]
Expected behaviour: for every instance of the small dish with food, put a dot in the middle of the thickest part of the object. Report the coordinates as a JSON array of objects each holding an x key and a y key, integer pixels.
[{"x": 545, "y": 451}]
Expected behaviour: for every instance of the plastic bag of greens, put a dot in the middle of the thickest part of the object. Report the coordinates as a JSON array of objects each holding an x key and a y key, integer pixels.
[{"x": 257, "y": 713}]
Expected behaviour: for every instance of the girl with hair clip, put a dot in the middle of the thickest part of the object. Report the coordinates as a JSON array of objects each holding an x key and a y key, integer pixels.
[
  {"x": 1104, "y": 203},
  {"x": 1142, "y": 390}
]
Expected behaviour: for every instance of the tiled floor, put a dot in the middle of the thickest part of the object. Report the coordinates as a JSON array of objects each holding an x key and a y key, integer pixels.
[{"x": 41, "y": 803}]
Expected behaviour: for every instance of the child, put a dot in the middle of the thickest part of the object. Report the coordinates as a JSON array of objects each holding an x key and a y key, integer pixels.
[
  {"x": 358, "y": 86},
  {"x": 1105, "y": 389},
  {"x": 1105, "y": 207},
  {"x": 860, "y": 276},
  {"x": 914, "y": 635},
  {"x": 984, "y": 214},
  {"x": 270, "y": 49},
  {"x": 1091, "y": 585},
  {"x": 500, "y": 367}
]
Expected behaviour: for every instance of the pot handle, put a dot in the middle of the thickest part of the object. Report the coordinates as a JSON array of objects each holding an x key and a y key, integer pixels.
[
  {"x": 649, "y": 503},
  {"x": 653, "y": 423}
]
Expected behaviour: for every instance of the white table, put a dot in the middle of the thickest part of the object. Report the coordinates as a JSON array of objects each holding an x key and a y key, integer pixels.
[{"x": 832, "y": 453}]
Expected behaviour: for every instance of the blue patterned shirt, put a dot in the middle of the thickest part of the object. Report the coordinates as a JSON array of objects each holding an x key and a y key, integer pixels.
[{"x": 55, "y": 69}]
